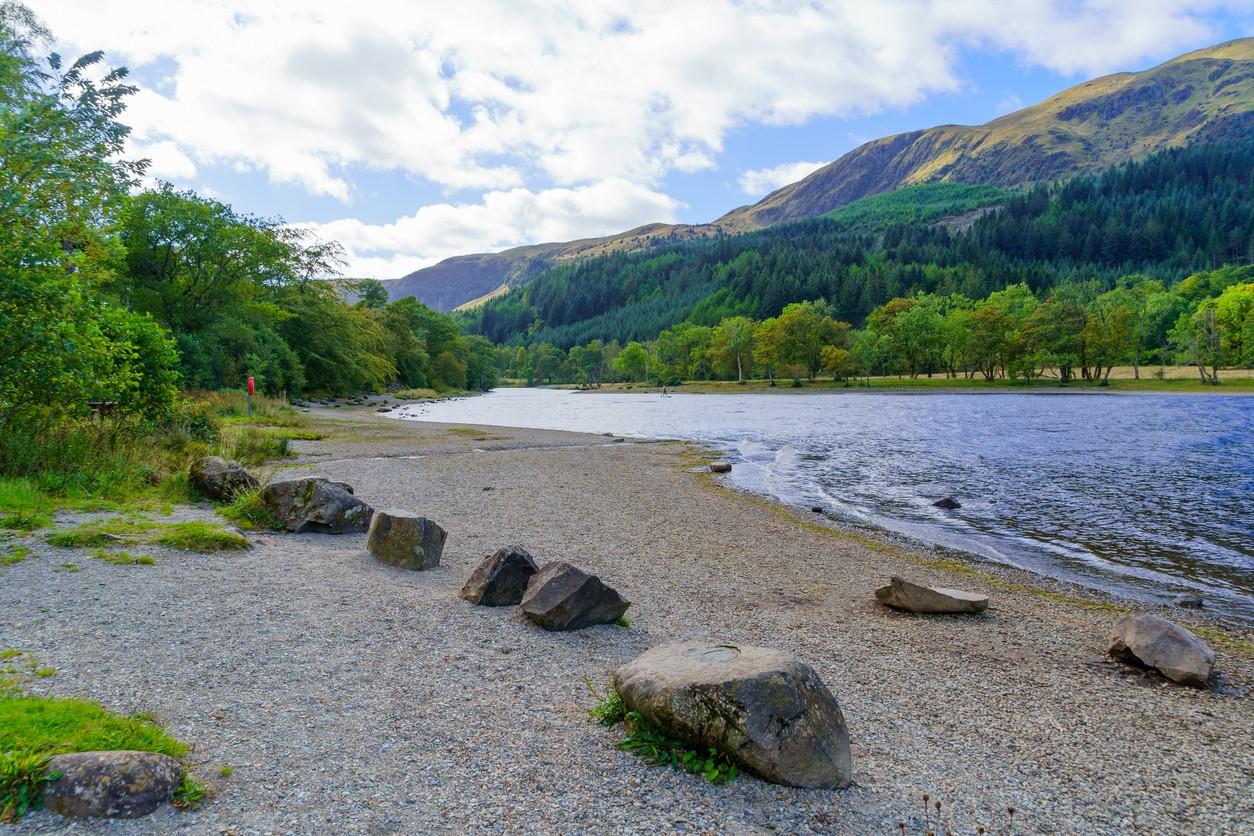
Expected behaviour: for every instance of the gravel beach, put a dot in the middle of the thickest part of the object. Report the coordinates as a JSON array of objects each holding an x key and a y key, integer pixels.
[{"x": 349, "y": 697}]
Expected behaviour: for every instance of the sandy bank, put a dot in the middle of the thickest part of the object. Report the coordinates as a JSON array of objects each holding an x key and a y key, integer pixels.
[{"x": 356, "y": 698}]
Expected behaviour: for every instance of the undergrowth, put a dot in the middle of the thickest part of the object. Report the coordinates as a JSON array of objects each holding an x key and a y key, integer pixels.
[{"x": 655, "y": 747}]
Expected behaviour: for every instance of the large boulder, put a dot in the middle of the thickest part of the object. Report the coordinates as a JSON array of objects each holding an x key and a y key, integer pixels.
[
  {"x": 122, "y": 784},
  {"x": 763, "y": 708},
  {"x": 720, "y": 467},
  {"x": 563, "y": 597},
  {"x": 399, "y": 538},
  {"x": 501, "y": 578},
  {"x": 218, "y": 479},
  {"x": 1158, "y": 643},
  {"x": 903, "y": 595},
  {"x": 316, "y": 504}
]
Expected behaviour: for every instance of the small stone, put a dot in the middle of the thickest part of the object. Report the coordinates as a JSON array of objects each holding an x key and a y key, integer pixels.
[
  {"x": 122, "y": 784},
  {"x": 1157, "y": 643},
  {"x": 563, "y": 597},
  {"x": 399, "y": 538},
  {"x": 948, "y": 503},
  {"x": 1190, "y": 600},
  {"x": 500, "y": 579},
  {"x": 763, "y": 708},
  {"x": 904, "y": 595},
  {"x": 818, "y": 509},
  {"x": 720, "y": 467},
  {"x": 220, "y": 480}
]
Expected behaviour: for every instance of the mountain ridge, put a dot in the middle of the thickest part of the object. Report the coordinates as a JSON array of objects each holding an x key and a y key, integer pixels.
[{"x": 1201, "y": 95}]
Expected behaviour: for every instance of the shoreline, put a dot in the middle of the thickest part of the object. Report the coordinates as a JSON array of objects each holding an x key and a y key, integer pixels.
[{"x": 322, "y": 677}]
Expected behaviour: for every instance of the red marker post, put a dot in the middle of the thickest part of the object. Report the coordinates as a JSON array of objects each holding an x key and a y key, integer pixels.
[{"x": 252, "y": 387}]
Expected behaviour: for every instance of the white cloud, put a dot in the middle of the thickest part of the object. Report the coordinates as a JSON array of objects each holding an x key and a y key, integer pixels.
[
  {"x": 1010, "y": 103},
  {"x": 521, "y": 110},
  {"x": 492, "y": 94},
  {"x": 502, "y": 219},
  {"x": 759, "y": 181}
]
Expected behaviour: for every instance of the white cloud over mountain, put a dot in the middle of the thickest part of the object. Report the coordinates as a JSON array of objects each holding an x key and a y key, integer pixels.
[
  {"x": 543, "y": 99},
  {"x": 761, "y": 181}
]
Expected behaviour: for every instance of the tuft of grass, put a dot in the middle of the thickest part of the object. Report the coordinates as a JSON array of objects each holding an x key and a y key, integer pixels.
[
  {"x": 610, "y": 709},
  {"x": 247, "y": 511},
  {"x": 67, "y": 567},
  {"x": 192, "y": 536},
  {"x": 225, "y": 770},
  {"x": 464, "y": 431},
  {"x": 198, "y": 536},
  {"x": 622, "y": 621},
  {"x": 16, "y": 555},
  {"x": 122, "y": 558},
  {"x": 189, "y": 794}
]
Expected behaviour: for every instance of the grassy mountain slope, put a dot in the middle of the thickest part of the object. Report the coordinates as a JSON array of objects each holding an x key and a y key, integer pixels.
[{"x": 1201, "y": 96}]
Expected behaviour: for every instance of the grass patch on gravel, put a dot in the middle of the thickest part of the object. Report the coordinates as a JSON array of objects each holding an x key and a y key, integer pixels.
[
  {"x": 16, "y": 555},
  {"x": 191, "y": 536},
  {"x": 122, "y": 558},
  {"x": 34, "y": 728}
]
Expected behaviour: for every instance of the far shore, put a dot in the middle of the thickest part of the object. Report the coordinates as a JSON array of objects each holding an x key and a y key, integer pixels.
[{"x": 1232, "y": 382}]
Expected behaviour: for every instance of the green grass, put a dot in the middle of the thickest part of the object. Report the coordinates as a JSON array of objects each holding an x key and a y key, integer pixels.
[
  {"x": 16, "y": 555},
  {"x": 225, "y": 770},
  {"x": 122, "y": 558},
  {"x": 34, "y": 728},
  {"x": 248, "y": 512},
  {"x": 192, "y": 536},
  {"x": 67, "y": 567},
  {"x": 415, "y": 394},
  {"x": 924, "y": 202},
  {"x": 189, "y": 794}
]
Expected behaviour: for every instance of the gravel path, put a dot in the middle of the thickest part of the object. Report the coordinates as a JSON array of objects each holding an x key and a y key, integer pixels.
[{"x": 349, "y": 697}]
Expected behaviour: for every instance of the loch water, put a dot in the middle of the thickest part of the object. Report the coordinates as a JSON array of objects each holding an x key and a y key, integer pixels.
[{"x": 1144, "y": 495}]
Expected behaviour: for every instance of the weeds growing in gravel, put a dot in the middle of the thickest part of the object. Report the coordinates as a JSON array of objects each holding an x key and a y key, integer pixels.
[
  {"x": 654, "y": 747},
  {"x": 225, "y": 770},
  {"x": 622, "y": 621},
  {"x": 16, "y": 555},
  {"x": 189, "y": 794},
  {"x": 192, "y": 536},
  {"x": 122, "y": 558},
  {"x": 67, "y": 567},
  {"x": 33, "y": 729}
]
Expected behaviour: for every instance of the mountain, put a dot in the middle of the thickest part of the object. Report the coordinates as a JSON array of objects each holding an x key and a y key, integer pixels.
[
  {"x": 1203, "y": 95},
  {"x": 1200, "y": 96}
]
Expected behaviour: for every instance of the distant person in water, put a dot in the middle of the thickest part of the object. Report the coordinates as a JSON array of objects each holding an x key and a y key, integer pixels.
[{"x": 664, "y": 390}]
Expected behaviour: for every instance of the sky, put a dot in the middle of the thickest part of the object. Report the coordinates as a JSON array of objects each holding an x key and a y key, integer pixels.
[{"x": 414, "y": 131}]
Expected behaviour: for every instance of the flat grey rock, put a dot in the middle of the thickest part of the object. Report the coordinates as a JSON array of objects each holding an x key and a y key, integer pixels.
[
  {"x": 763, "y": 708},
  {"x": 1154, "y": 642},
  {"x": 904, "y": 595}
]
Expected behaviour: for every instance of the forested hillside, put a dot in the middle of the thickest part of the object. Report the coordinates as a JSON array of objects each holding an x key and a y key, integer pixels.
[
  {"x": 1172, "y": 214},
  {"x": 118, "y": 298}
]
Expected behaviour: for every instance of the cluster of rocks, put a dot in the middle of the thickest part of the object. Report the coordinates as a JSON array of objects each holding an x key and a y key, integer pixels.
[
  {"x": 557, "y": 597},
  {"x": 1146, "y": 641}
]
